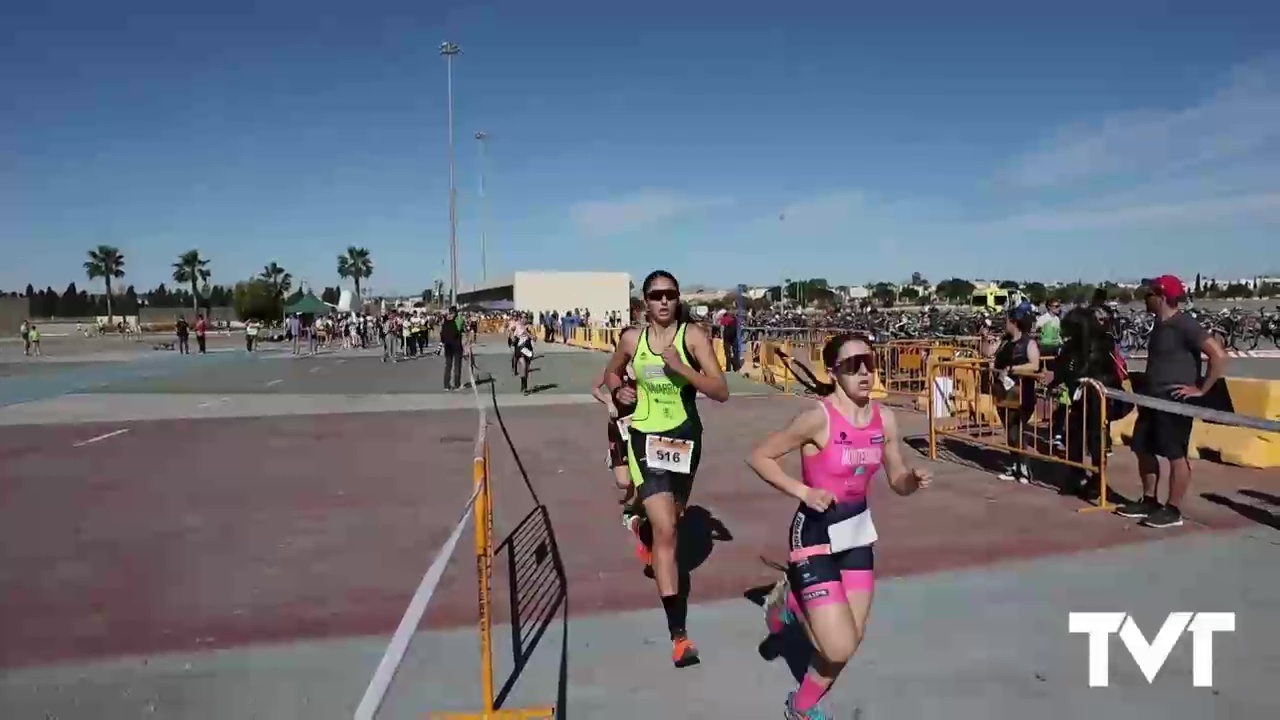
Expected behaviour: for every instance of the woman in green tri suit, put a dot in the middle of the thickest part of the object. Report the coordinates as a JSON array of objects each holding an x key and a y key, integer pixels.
[{"x": 671, "y": 362}]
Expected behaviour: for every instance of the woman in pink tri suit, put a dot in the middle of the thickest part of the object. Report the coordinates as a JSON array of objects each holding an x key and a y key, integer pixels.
[{"x": 844, "y": 440}]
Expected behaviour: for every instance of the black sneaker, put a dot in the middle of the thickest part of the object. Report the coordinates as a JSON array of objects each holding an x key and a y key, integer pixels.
[
  {"x": 1140, "y": 509},
  {"x": 1166, "y": 517}
]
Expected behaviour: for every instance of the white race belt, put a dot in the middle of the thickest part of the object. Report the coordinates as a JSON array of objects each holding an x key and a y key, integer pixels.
[{"x": 857, "y": 531}]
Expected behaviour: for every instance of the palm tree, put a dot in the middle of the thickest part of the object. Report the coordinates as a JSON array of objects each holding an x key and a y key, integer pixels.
[
  {"x": 107, "y": 263},
  {"x": 192, "y": 269},
  {"x": 279, "y": 280},
  {"x": 355, "y": 265}
]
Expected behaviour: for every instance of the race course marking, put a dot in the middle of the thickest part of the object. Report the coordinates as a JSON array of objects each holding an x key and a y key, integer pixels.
[
  {"x": 315, "y": 369},
  {"x": 100, "y": 438},
  {"x": 277, "y": 381}
]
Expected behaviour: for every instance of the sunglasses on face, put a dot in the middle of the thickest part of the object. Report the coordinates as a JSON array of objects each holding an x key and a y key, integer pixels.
[
  {"x": 854, "y": 364},
  {"x": 660, "y": 295}
]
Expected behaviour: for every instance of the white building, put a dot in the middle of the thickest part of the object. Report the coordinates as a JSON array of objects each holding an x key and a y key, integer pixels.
[{"x": 600, "y": 293}]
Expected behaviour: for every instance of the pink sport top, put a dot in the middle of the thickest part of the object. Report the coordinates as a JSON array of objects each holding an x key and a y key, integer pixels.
[{"x": 851, "y": 457}]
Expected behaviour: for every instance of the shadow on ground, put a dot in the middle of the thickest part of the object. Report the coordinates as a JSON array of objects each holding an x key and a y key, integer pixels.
[
  {"x": 1255, "y": 511},
  {"x": 792, "y": 645},
  {"x": 1063, "y": 479}
]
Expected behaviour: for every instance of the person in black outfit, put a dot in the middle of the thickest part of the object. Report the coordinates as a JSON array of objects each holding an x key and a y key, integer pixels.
[
  {"x": 1018, "y": 356},
  {"x": 451, "y": 340},
  {"x": 184, "y": 333},
  {"x": 1087, "y": 352}
]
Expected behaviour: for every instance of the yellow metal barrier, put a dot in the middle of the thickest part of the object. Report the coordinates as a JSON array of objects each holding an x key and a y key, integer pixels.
[
  {"x": 902, "y": 365},
  {"x": 483, "y": 518},
  {"x": 971, "y": 402},
  {"x": 492, "y": 325}
]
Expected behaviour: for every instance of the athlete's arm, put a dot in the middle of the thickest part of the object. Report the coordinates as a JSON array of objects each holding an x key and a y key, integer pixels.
[
  {"x": 597, "y": 389},
  {"x": 764, "y": 456},
  {"x": 621, "y": 355},
  {"x": 902, "y": 479},
  {"x": 710, "y": 381}
]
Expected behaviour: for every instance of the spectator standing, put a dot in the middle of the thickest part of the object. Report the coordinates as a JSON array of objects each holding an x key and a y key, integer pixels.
[
  {"x": 729, "y": 338},
  {"x": 183, "y": 331},
  {"x": 1048, "y": 328},
  {"x": 1174, "y": 372},
  {"x": 451, "y": 339},
  {"x": 202, "y": 328},
  {"x": 293, "y": 326},
  {"x": 1017, "y": 359},
  {"x": 1087, "y": 352}
]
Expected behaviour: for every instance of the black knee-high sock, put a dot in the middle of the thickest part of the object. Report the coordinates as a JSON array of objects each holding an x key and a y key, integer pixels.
[
  {"x": 524, "y": 383},
  {"x": 677, "y": 610}
]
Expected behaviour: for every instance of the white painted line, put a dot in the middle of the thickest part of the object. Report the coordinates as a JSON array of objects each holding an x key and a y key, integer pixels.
[
  {"x": 100, "y": 438},
  {"x": 277, "y": 381},
  {"x": 390, "y": 662},
  {"x": 315, "y": 369},
  {"x": 204, "y": 404},
  {"x": 340, "y": 362}
]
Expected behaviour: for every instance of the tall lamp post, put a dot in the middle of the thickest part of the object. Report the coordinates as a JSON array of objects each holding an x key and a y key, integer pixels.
[
  {"x": 449, "y": 50},
  {"x": 484, "y": 239}
]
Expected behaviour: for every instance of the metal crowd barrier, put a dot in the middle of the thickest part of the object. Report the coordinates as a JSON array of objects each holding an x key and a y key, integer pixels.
[
  {"x": 902, "y": 365},
  {"x": 479, "y": 509},
  {"x": 974, "y": 404},
  {"x": 1015, "y": 414}
]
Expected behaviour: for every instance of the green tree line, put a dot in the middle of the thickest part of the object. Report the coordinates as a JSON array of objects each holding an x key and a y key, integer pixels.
[{"x": 262, "y": 297}]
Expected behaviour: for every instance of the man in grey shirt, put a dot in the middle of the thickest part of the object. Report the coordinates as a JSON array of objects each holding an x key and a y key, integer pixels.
[{"x": 1173, "y": 373}]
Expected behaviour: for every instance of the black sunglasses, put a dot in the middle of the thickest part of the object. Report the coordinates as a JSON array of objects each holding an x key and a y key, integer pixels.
[
  {"x": 660, "y": 295},
  {"x": 854, "y": 364}
]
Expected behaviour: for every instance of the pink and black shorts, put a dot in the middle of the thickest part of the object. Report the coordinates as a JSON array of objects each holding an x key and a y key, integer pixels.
[{"x": 817, "y": 576}]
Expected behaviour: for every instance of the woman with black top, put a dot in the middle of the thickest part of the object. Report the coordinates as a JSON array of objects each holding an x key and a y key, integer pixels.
[
  {"x": 1016, "y": 360},
  {"x": 1088, "y": 352}
]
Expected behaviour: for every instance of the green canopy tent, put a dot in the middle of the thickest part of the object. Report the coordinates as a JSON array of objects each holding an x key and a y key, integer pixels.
[{"x": 308, "y": 304}]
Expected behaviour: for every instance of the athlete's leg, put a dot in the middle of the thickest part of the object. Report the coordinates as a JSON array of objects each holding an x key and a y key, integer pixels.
[
  {"x": 622, "y": 481},
  {"x": 661, "y": 510},
  {"x": 524, "y": 373},
  {"x": 832, "y": 627}
]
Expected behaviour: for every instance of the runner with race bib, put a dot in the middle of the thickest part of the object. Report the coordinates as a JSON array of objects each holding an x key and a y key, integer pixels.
[
  {"x": 844, "y": 441},
  {"x": 522, "y": 347},
  {"x": 671, "y": 362},
  {"x": 619, "y": 428}
]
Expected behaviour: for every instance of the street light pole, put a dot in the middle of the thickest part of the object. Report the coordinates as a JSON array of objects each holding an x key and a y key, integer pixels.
[
  {"x": 449, "y": 50},
  {"x": 484, "y": 239}
]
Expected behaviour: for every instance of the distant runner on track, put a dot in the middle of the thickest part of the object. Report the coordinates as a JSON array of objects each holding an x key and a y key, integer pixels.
[
  {"x": 522, "y": 351},
  {"x": 844, "y": 441},
  {"x": 672, "y": 362}
]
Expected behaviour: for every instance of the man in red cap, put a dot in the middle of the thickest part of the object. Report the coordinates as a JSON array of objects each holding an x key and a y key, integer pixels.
[{"x": 1173, "y": 373}]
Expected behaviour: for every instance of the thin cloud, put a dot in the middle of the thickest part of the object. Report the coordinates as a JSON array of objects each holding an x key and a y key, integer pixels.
[
  {"x": 1237, "y": 120},
  {"x": 1142, "y": 217},
  {"x": 602, "y": 218}
]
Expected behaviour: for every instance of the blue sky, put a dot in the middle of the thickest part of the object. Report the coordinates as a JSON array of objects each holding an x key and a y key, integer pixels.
[{"x": 728, "y": 142}]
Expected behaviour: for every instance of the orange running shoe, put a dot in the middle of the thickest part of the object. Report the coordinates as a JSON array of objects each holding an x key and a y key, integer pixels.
[
  {"x": 643, "y": 554},
  {"x": 683, "y": 653}
]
